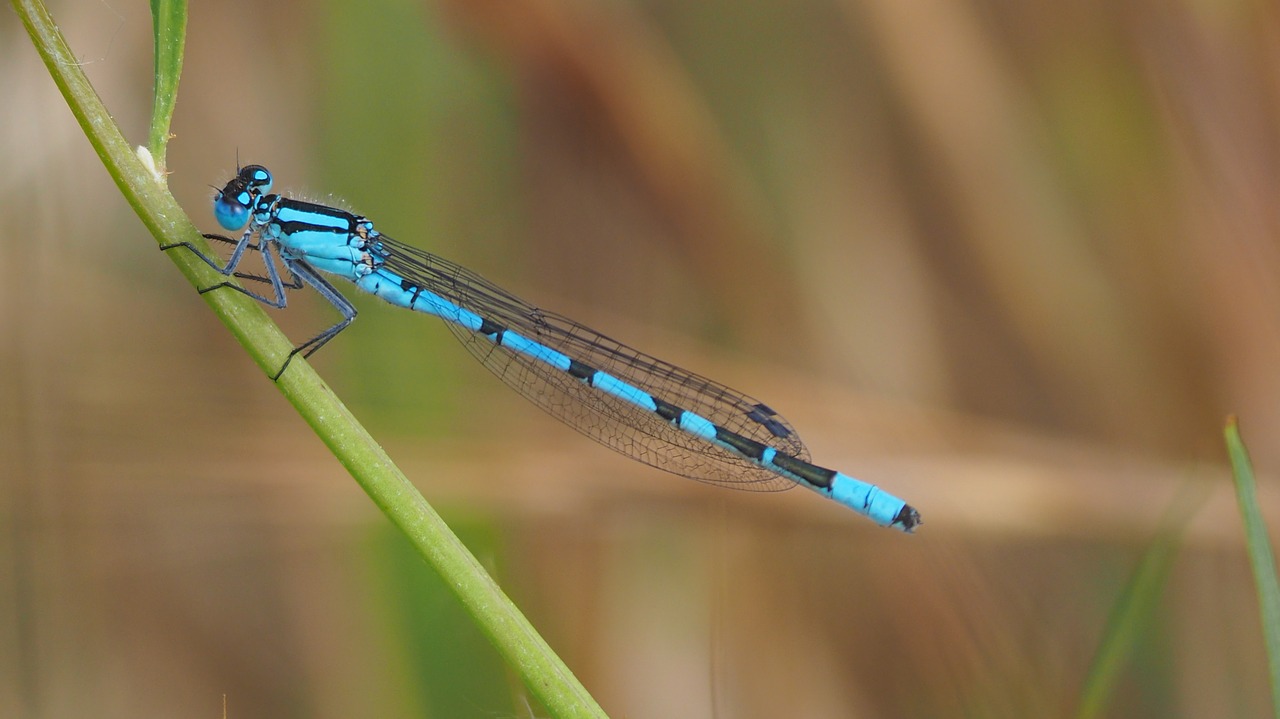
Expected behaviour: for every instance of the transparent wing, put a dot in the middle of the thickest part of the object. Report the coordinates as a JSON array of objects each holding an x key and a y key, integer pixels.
[{"x": 615, "y": 423}]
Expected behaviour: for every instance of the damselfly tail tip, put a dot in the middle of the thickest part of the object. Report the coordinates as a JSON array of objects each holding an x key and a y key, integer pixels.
[{"x": 908, "y": 519}]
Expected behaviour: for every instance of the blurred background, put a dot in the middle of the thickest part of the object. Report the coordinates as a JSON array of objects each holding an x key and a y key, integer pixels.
[{"x": 1013, "y": 261}]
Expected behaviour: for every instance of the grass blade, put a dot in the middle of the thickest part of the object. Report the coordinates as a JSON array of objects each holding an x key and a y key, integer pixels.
[
  {"x": 1261, "y": 555},
  {"x": 169, "y": 25},
  {"x": 1135, "y": 608}
]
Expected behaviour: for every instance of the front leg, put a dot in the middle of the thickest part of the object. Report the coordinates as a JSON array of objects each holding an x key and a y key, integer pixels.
[
  {"x": 237, "y": 254},
  {"x": 295, "y": 283},
  {"x": 243, "y": 244}
]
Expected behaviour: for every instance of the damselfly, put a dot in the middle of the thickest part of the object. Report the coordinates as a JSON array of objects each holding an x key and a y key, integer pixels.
[{"x": 634, "y": 403}]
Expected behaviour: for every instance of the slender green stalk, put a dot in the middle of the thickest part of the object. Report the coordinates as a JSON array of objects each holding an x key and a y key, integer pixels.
[
  {"x": 144, "y": 188},
  {"x": 1261, "y": 555},
  {"x": 169, "y": 25}
]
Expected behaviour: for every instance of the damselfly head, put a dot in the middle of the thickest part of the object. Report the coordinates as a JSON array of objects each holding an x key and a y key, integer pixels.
[{"x": 232, "y": 205}]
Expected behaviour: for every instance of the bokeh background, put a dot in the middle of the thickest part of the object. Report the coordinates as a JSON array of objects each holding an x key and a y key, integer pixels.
[{"x": 1014, "y": 261}]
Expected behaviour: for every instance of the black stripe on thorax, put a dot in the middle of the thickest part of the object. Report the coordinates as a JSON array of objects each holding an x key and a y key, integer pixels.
[
  {"x": 295, "y": 227},
  {"x": 346, "y": 225}
]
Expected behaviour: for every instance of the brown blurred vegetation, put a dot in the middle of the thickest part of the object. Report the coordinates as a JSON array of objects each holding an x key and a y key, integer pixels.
[{"x": 1013, "y": 261}]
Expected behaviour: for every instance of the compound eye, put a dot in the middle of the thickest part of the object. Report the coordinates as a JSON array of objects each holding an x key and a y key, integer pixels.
[{"x": 232, "y": 214}]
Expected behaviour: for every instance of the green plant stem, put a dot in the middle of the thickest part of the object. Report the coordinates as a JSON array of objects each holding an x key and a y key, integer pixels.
[
  {"x": 169, "y": 27},
  {"x": 1261, "y": 556},
  {"x": 517, "y": 641}
]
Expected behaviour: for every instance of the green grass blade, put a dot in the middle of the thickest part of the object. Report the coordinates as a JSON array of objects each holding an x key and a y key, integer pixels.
[
  {"x": 1261, "y": 555},
  {"x": 502, "y": 623},
  {"x": 169, "y": 25},
  {"x": 1134, "y": 609}
]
